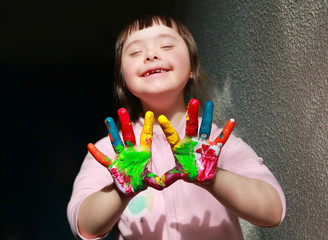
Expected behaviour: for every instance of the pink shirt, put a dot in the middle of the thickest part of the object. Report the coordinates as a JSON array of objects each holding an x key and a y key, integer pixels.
[{"x": 181, "y": 211}]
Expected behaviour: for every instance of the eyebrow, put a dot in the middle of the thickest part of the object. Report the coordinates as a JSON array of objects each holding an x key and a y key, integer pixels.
[
  {"x": 162, "y": 35},
  {"x": 166, "y": 35}
]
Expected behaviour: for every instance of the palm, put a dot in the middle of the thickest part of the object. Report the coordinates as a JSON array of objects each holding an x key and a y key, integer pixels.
[
  {"x": 196, "y": 157},
  {"x": 130, "y": 167}
]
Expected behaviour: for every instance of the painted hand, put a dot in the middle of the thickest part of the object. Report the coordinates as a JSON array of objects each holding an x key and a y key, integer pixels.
[
  {"x": 130, "y": 168},
  {"x": 196, "y": 156}
]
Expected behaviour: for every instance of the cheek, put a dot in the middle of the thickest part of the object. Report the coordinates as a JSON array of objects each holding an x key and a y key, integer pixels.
[
  {"x": 128, "y": 72},
  {"x": 129, "y": 76},
  {"x": 182, "y": 60},
  {"x": 184, "y": 69}
]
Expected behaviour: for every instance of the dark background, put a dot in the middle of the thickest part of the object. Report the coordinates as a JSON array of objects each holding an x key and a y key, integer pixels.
[
  {"x": 269, "y": 59},
  {"x": 56, "y": 62}
]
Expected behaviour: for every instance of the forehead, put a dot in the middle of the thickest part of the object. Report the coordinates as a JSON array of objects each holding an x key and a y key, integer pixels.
[{"x": 156, "y": 30}]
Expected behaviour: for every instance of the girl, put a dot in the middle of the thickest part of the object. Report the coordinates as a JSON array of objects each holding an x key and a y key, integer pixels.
[{"x": 156, "y": 69}]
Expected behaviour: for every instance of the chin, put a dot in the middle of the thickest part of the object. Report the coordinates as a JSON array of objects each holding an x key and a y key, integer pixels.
[{"x": 155, "y": 92}]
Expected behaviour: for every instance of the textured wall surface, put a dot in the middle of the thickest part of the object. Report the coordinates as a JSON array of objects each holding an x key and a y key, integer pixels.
[{"x": 270, "y": 62}]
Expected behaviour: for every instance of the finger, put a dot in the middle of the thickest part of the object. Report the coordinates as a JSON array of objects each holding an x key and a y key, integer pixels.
[
  {"x": 192, "y": 118},
  {"x": 127, "y": 130},
  {"x": 171, "y": 134},
  {"x": 99, "y": 156},
  {"x": 146, "y": 136},
  {"x": 227, "y": 130},
  {"x": 172, "y": 176},
  {"x": 154, "y": 181},
  {"x": 205, "y": 128},
  {"x": 113, "y": 134}
]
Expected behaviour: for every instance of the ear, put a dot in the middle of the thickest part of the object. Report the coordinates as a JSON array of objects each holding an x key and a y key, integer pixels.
[{"x": 191, "y": 75}]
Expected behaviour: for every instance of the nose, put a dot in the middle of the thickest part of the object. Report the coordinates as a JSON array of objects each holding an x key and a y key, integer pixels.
[{"x": 151, "y": 56}]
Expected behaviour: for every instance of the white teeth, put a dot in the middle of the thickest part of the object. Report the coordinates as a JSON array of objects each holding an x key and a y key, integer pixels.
[{"x": 154, "y": 71}]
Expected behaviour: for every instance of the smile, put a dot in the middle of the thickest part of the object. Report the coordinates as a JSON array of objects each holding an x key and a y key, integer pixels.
[{"x": 153, "y": 72}]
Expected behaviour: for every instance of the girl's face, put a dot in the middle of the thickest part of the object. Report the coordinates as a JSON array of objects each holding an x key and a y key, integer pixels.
[{"x": 155, "y": 61}]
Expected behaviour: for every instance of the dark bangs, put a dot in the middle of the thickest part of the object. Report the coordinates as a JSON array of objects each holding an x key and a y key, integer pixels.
[{"x": 147, "y": 21}]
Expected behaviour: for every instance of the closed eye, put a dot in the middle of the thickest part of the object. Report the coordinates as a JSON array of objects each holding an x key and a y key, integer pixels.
[
  {"x": 135, "y": 53},
  {"x": 167, "y": 47}
]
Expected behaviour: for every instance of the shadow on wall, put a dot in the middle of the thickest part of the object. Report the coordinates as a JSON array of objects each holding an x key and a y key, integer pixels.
[
  {"x": 273, "y": 58},
  {"x": 223, "y": 103}
]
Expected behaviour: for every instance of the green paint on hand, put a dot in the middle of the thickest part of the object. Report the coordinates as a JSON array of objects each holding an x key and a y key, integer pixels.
[
  {"x": 119, "y": 149},
  {"x": 129, "y": 144},
  {"x": 151, "y": 175},
  {"x": 132, "y": 162},
  {"x": 174, "y": 171},
  {"x": 186, "y": 157}
]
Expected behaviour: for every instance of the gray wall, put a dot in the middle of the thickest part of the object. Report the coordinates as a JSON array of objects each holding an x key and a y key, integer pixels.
[{"x": 270, "y": 63}]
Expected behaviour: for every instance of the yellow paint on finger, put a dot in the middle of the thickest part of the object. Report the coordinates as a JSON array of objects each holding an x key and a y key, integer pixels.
[
  {"x": 171, "y": 134},
  {"x": 187, "y": 117},
  {"x": 160, "y": 181},
  {"x": 146, "y": 136}
]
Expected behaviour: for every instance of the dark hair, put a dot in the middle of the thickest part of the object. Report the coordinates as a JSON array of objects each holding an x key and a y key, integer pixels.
[{"x": 195, "y": 88}]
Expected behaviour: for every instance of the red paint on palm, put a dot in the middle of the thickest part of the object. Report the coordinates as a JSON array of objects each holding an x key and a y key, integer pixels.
[
  {"x": 127, "y": 130},
  {"x": 208, "y": 161},
  {"x": 121, "y": 181}
]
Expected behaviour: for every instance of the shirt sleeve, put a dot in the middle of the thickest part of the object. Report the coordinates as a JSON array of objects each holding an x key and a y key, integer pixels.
[
  {"x": 91, "y": 178},
  {"x": 238, "y": 157}
]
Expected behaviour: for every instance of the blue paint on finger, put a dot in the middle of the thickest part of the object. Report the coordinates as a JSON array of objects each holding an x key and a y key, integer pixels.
[
  {"x": 113, "y": 133},
  {"x": 205, "y": 128},
  {"x": 221, "y": 135}
]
